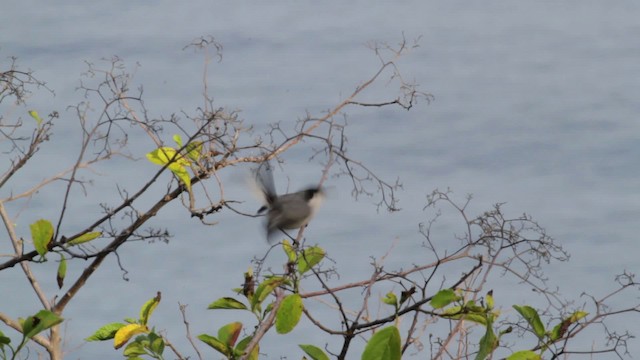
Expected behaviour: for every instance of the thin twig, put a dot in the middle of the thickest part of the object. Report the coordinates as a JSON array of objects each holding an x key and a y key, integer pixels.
[
  {"x": 17, "y": 246},
  {"x": 265, "y": 325},
  {"x": 183, "y": 311}
]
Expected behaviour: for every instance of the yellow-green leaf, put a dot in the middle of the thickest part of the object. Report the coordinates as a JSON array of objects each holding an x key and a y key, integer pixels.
[
  {"x": 39, "y": 322},
  {"x": 174, "y": 161},
  {"x": 524, "y": 355},
  {"x": 166, "y": 155},
  {"x": 86, "y": 237},
  {"x": 182, "y": 174},
  {"x": 489, "y": 299},
  {"x": 559, "y": 330},
  {"x": 454, "y": 312},
  {"x": 488, "y": 343},
  {"x": 443, "y": 298},
  {"x": 390, "y": 299},
  {"x": 471, "y": 307},
  {"x": 289, "y": 313},
  {"x": 126, "y": 332},
  {"x": 264, "y": 289},
  {"x": 34, "y": 114},
  {"x": 178, "y": 139},
  {"x": 229, "y": 333},
  {"x": 148, "y": 307},
  {"x": 248, "y": 286},
  {"x": 531, "y": 315},
  {"x": 62, "y": 271},
  {"x": 227, "y": 303},
  {"x": 457, "y": 313},
  {"x": 289, "y": 250},
  {"x": 309, "y": 258},
  {"x": 194, "y": 150},
  {"x": 315, "y": 352},
  {"x": 242, "y": 345},
  {"x": 476, "y": 318},
  {"x": 578, "y": 315},
  {"x": 41, "y": 233},
  {"x": 215, "y": 343}
]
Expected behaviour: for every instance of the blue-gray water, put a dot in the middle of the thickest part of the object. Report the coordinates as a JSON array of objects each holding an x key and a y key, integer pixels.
[{"x": 535, "y": 105}]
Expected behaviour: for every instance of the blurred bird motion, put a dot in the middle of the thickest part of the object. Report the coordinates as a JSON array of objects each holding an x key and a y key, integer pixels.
[{"x": 288, "y": 211}]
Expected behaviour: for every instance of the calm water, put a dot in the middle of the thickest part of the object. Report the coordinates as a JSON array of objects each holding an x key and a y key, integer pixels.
[{"x": 535, "y": 105}]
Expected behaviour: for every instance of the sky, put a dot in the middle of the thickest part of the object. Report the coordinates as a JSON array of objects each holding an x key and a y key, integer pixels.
[{"x": 534, "y": 105}]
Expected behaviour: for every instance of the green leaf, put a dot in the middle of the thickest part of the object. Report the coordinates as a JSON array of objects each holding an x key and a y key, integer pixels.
[
  {"x": 524, "y": 355},
  {"x": 4, "y": 340},
  {"x": 309, "y": 258},
  {"x": 41, "y": 233},
  {"x": 443, "y": 298},
  {"x": 229, "y": 333},
  {"x": 384, "y": 345},
  {"x": 62, "y": 271},
  {"x": 147, "y": 309},
  {"x": 242, "y": 345},
  {"x": 39, "y": 322},
  {"x": 106, "y": 332},
  {"x": 391, "y": 299},
  {"x": 86, "y": 237},
  {"x": 227, "y": 303},
  {"x": 289, "y": 313},
  {"x": 488, "y": 343},
  {"x": 34, "y": 114},
  {"x": 134, "y": 349},
  {"x": 315, "y": 352},
  {"x": 531, "y": 315},
  {"x": 214, "y": 343},
  {"x": 156, "y": 343}
]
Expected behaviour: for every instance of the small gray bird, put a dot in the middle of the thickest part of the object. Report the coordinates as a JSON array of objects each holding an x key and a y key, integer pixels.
[{"x": 288, "y": 211}]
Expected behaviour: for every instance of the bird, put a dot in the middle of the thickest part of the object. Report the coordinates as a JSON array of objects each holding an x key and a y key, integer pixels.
[{"x": 288, "y": 211}]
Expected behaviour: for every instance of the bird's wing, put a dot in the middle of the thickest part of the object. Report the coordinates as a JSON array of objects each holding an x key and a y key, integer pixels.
[{"x": 264, "y": 180}]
